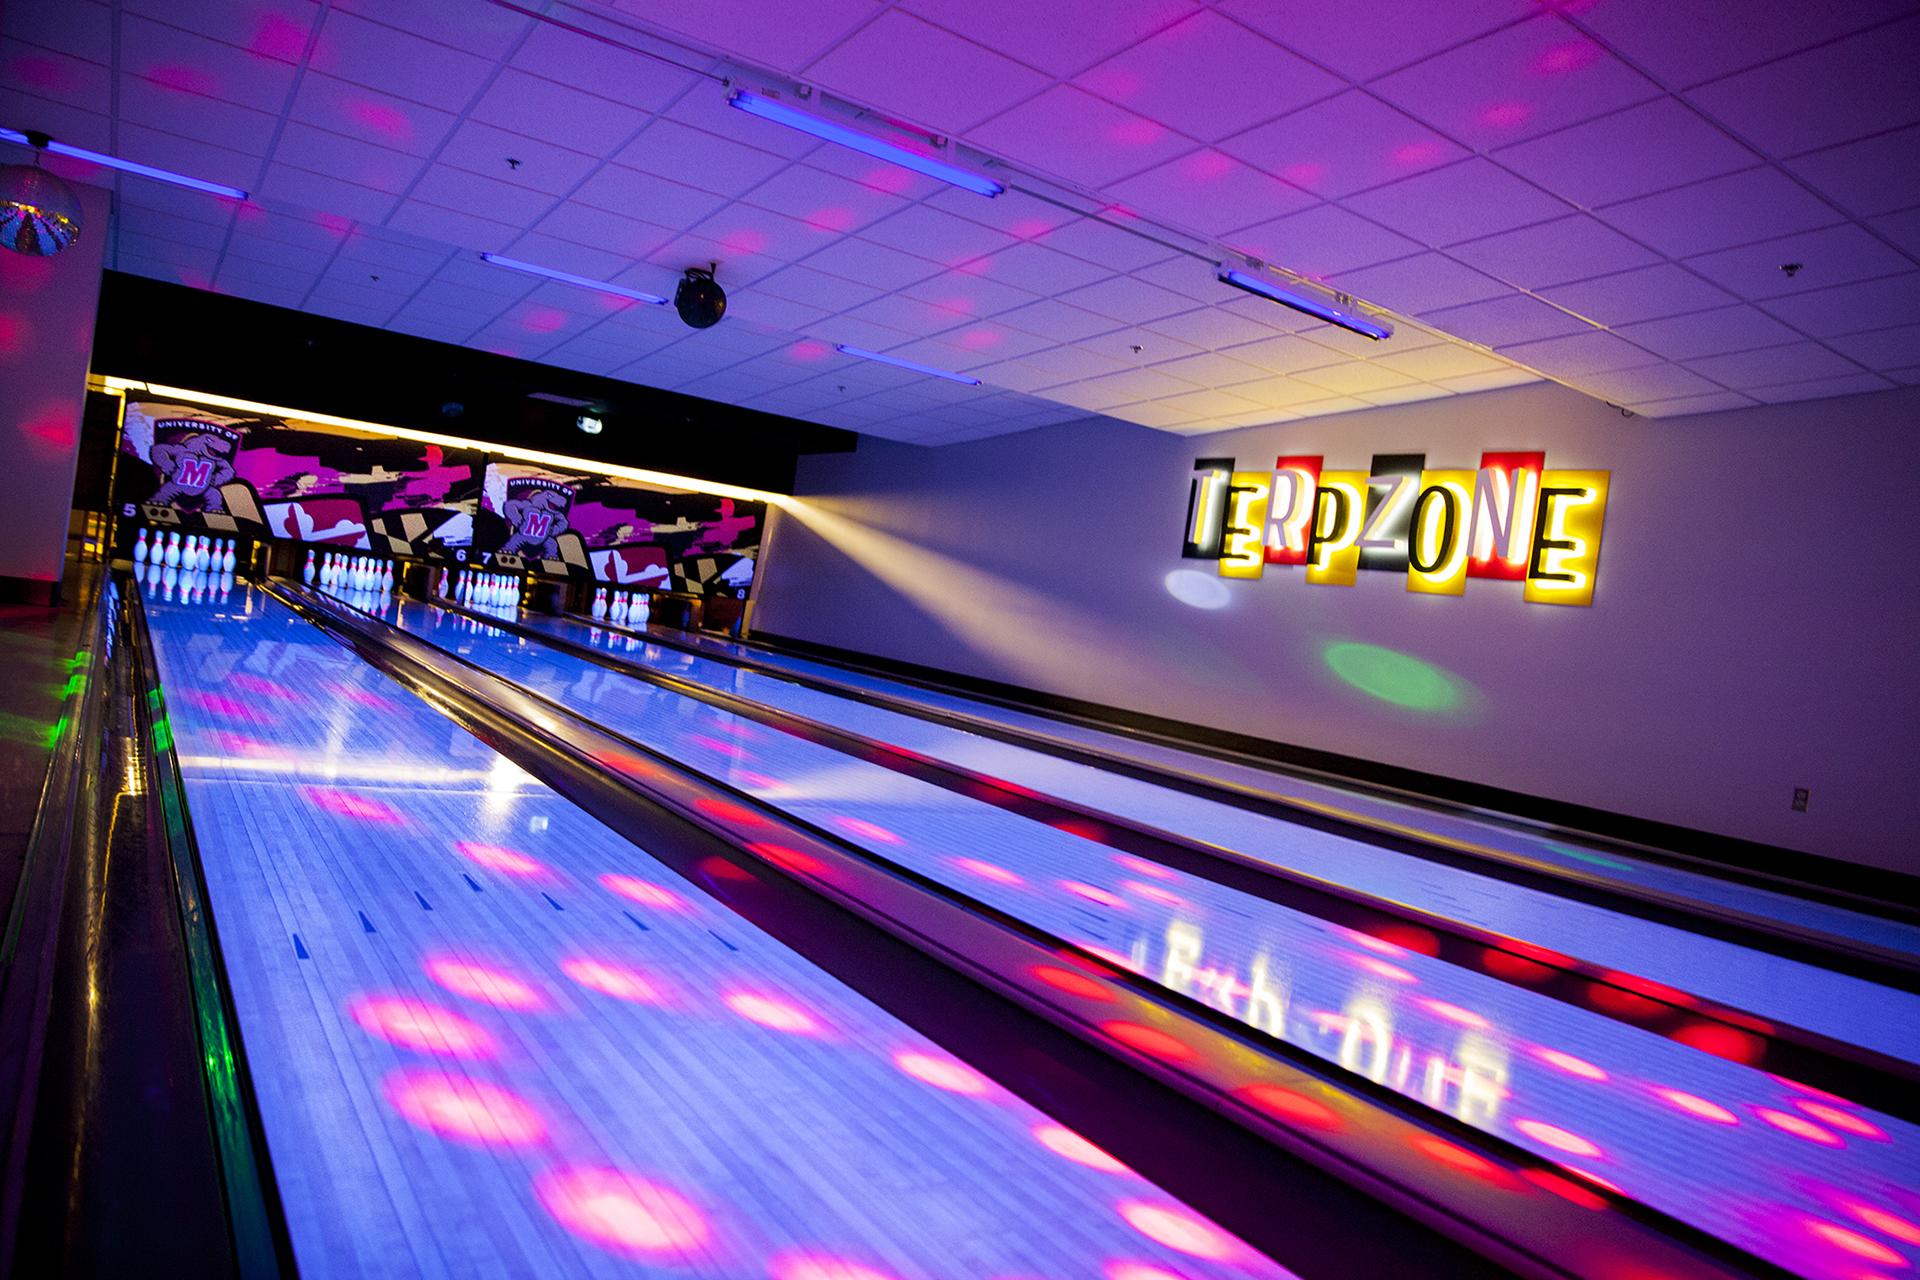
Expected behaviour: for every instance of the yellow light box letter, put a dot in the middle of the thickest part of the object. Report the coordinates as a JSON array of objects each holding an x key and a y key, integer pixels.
[
  {"x": 1440, "y": 533},
  {"x": 1566, "y": 537},
  {"x": 1333, "y": 540},
  {"x": 1243, "y": 551}
]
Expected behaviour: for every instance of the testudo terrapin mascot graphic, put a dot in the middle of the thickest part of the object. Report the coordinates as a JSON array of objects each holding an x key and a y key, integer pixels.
[
  {"x": 536, "y": 512},
  {"x": 194, "y": 459}
]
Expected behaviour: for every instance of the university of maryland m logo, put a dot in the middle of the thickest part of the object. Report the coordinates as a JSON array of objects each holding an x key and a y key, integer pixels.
[{"x": 1511, "y": 519}]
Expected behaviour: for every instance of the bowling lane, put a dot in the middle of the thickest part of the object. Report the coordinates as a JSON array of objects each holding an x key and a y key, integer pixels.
[
  {"x": 1471, "y": 833},
  {"x": 1843, "y": 1007},
  {"x": 491, "y": 1037},
  {"x": 1756, "y": 1160}
]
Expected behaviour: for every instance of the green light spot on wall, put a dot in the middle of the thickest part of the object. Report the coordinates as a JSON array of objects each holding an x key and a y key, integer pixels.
[{"x": 1392, "y": 676}]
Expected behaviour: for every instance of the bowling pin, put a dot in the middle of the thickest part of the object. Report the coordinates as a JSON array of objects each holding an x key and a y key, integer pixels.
[
  {"x": 140, "y": 548},
  {"x": 229, "y": 559},
  {"x": 600, "y": 603},
  {"x": 312, "y": 570},
  {"x": 171, "y": 556}
]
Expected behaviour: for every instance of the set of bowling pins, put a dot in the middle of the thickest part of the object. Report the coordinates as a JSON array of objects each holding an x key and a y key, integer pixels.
[
  {"x": 197, "y": 553},
  {"x": 349, "y": 573},
  {"x": 193, "y": 586},
  {"x": 489, "y": 590},
  {"x": 630, "y": 607}
]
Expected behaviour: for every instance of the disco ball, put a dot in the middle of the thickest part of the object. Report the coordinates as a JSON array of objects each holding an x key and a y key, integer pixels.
[{"x": 39, "y": 214}]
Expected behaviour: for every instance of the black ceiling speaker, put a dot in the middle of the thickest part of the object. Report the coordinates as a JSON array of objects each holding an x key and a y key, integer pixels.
[{"x": 700, "y": 300}]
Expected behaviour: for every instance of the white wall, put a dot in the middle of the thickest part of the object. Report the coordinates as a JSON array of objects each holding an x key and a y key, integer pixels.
[
  {"x": 47, "y": 308},
  {"x": 1755, "y": 627}
]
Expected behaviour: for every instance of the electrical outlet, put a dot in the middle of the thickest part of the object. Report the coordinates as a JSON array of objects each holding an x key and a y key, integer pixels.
[{"x": 1800, "y": 797}]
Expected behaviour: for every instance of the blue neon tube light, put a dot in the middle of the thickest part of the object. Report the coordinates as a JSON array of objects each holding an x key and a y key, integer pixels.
[
  {"x": 129, "y": 166},
  {"x": 1306, "y": 303},
  {"x": 767, "y": 109},
  {"x": 898, "y": 363},
  {"x": 567, "y": 277}
]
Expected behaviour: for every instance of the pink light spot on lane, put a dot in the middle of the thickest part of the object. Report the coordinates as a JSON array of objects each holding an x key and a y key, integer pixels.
[
  {"x": 721, "y": 745},
  {"x": 1180, "y": 1231},
  {"x": 1454, "y": 1013},
  {"x": 1440, "y": 1151},
  {"x": 1093, "y": 894},
  {"x": 943, "y": 1073},
  {"x": 1507, "y": 115},
  {"x": 820, "y": 1266},
  {"x": 279, "y": 38},
  {"x": 1069, "y": 1145},
  {"x": 499, "y": 858},
  {"x": 1153, "y": 893},
  {"x": 183, "y": 79},
  {"x": 1566, "y": 1062},
  {"x": 390, "y": 123},
  {"x": 776, "y": 1014},
  {"x": 645, "y": 892},
  {"x": 1559, "y": 1139},
  {"x": 1138, "y": 1271},
  {"x": 1885, "y": 1222},
  {"x": 622, "y": 982},
  {"x": 1853, "y": 1243},
  {"x": 1807, "y": 1130},
  {"x": 791, "y": 859},
  {"x": 263, "y": 687},
  {"x": 1845, "y": 1121},
  {"x": 543, "y": 320},
  {"x": 363, "y": 697},
  {"x": 1567, "y": 1190},
  {"x": 1565, "y": 58},
  {"x": 866, "y": 830},
  {"x": 1381, "y": 969},
  {"x": 349, "y": 805},
  {"x": 1289, "y": 1105},
  {"x": 623, "y": 1213},
  {"x": 1074, "y": 984},
  {"x": 1151, "y": 1041},
  {"x": 1140, "y": 866},
  {"x": 808, "y": 351},
  {"x": 1699, "y": 1108},
  {"x": 484, "y": 983},
  {"x": 416, "y": 1024},
  {"x": 454, "y": 1106},
  {"x": 989, "y": 871},
  {"x": 728, "y": 810},
  {"x": 1721, "y": 1041}
]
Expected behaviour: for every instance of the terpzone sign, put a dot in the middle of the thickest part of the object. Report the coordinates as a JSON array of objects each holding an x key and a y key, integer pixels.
[{"x": 1511, "y": 518}]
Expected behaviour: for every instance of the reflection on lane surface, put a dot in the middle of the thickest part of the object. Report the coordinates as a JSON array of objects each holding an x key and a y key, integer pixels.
[
  {"x": 1422, "y": 821},
  {"x": 491, "y": 1037},
  {"x": 1788, "y": 1173},
  {"x": 1836, "y": 1005}
]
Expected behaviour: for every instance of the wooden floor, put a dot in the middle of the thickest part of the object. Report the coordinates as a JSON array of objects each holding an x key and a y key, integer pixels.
[{"x": 492, "y": 1038}]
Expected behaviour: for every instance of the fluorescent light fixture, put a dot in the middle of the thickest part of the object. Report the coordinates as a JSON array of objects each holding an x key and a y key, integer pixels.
[
  {"x": 128, "y": 166},
  {"x": 567, "y": 277},
  {"x": 898, "y": 363},
  {"x": 767, "y": 109},
  {"x": 1301, "y": 301}
]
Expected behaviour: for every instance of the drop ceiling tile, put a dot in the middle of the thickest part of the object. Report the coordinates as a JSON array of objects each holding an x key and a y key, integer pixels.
[
  {"x": 1644, "y": 294},
  {"x": 1284, "y": 354},
  {"x": 1322, "y": 241},
  {"x": 985, "y": 340},
  {"x": 1472, "y": 382},
  {"x": 942, "y": 237},
  {"x": 1060, "y": 37},
  {"x": 1709, "y": 333},
  {"x": 1208, "y": 77},
  {"x": 968, "y": 294},
  {"x": 1016, "y": 376},
  {"x": 224, "y": 124},
  {"x": 1551, "y": 253},
  {"x": 1354, "y": 377},
  {"x": 1208, "y": 404},
  {"x": 1211, "y": 369},
  {"x": 167, "y": 226},
  {"x": 1644, "y": 149},
  {"x": 1036, "y": 269},
  {"x": 1074, "y": 135},
  {"x": 1345, "y": 144},
  {"x": 1901, "y": 228},
  {"x": 194, "y": 64},
  {"x": 1578, "y": 354},
  {"x": 871, "y": 264},
  {"x": 1795, "y": 362},
  {"x": 1209, "y": 192},
  {"x": 452, "y": 188},
  {"x": 1049, "y": 318},
  {"x": 824, "y": 200},
  {"x": 1687, "y": 45},
  {"x": 604, "y": 69},
  {"x": 1212, "y": 328},
  {"x": 669, "y": 149},
  {"x": 886, "y": 65},
  {"x": 483, "y": 149},
  {"x": 1419, "y": 284},
  {"x": 1791, "y": 105},
  {"x": 1119, "y": 344},
  {"x": 633, "y": 194},
  {"x": 1443, "y": 361},
  {"x": 1713, "y": 402},
  {"x": 452, "y": 226},
  {"x": 523, "y": 103},
  {"x": 621, "y": 238},
  {"x": 1337, "y": 404},
  {"x": 1393, "y": 34},
  {"x": 1127, "y": 300},
  {"x": 1834, "y": 255},
  {"x": 813, "y": 288},
  {"x": 1719, "y": 213},
  {"x": 778, "y": 35},
  {"x": 346, "y": 159},
  {"x": 1821, "y": 388},
  {"x": 1199, "y": 280},
  {"x": 1102, "y": 244},
  {"x": 489, "y": 32},
  {"x": 79, "y": 29},
  {"x": 69, "y": 124},
  {"x": 183, "y": 155},
  {"x": 1065, "y": 364},
  {"x": 1515, "y": 83},
  {"x": 1501, "y": 322},
  {"x": 1882, "y": 349},
  {"x": 917, "y": 319},
  {"x": 59, "y": 77},
  {"x": 368, "y": 115},
  {"x": 745, "y": 229},
  {"x": 1460, "y": 202},
  {"x": 392, "y": 61},
  {"x": 1851, "y": 308},
  {"x": 1875, "y": 175},
  {"x": 317, "y": 191},
  {"x": 270, "y": 226}
]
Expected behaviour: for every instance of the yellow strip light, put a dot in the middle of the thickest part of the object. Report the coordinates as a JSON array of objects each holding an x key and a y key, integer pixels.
[{"x": 665, "y": 479}]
